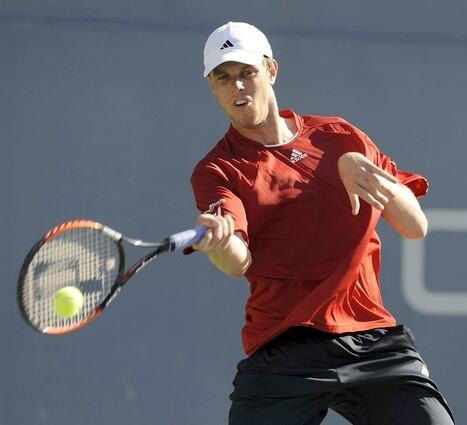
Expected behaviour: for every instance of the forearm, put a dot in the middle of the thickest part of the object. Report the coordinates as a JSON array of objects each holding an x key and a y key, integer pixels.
[
  {"x": 404, "y": 215},
  {"x": 234, "y": 259},
  {"x": 225, "y": 249}
]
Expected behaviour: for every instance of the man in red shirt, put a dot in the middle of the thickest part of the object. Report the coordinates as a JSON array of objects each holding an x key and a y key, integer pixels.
[{"x": 292, "y": 203}]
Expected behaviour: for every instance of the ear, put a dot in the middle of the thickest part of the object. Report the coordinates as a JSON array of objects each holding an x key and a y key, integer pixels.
[{"x": 273, "y": 70}]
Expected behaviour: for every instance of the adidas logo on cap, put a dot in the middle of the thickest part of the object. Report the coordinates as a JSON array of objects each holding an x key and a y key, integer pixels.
[{"x": 226, "y": 45}]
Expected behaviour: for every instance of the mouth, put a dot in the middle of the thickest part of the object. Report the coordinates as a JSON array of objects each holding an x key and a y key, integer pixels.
[{"x": 241, "y": 103}]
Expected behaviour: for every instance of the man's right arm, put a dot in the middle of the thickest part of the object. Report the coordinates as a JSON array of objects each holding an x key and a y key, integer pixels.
[{"x": 225, "y": 249}]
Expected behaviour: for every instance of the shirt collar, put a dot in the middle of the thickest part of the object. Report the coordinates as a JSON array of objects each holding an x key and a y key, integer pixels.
[{"x": 233, "y": 135}]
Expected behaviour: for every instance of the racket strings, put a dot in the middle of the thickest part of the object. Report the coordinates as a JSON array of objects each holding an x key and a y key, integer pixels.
[{"x": 84, "y": 258}]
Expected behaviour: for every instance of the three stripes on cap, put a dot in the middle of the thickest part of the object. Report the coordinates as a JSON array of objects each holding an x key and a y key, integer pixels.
[{"x": 226, "y": 45}]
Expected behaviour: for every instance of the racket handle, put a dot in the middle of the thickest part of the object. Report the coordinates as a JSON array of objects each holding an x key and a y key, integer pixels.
[{"x": 186, "y": 238}]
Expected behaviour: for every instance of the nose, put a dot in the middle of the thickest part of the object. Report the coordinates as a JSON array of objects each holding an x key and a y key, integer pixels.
[{"x": 239, "y": 85}]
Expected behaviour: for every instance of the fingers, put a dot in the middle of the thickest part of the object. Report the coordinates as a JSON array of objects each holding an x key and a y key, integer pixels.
[
  {"x": 364, "y": 180},
  {"x": 377, "y": 172},
  {"x": 377, "y": 188},
  {"x": 375, "y": 198},
  {"x": 356, "y": 164},
  {"x": 355, "y": 203},
  {"x": 217, "y": 237},
  {"x": 380, "y": 183},
  {"x": 367, "y": 166}
]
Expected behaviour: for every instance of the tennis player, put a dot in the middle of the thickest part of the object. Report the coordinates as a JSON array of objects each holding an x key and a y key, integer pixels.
[{"x": 292, "y": 202}]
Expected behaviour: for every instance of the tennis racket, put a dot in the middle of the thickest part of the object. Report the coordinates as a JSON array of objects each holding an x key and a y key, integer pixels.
[{"x": 88, "y": 256}]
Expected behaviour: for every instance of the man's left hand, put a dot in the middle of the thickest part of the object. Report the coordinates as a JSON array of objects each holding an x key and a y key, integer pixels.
[{"x": 364, "y": 180}]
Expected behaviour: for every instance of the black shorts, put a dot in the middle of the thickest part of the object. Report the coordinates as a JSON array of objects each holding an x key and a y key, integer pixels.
[{"x": 374, "y": 377}]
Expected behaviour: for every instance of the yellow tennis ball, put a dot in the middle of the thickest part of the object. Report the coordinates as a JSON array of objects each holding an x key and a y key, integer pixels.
[{"x": 68, "y": 301}]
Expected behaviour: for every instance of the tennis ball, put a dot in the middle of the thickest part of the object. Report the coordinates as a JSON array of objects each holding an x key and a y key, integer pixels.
[{"x": 68, "y": 301}]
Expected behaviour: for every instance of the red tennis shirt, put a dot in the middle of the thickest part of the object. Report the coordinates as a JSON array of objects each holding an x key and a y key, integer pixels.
[{"x": 314, "y": 263}]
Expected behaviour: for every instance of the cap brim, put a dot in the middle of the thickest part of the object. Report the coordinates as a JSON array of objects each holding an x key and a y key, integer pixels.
[{"x": 242, "y": 56}]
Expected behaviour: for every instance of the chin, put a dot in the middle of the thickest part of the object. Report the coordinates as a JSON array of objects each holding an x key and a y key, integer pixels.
[{"x": 249, "y": 122}]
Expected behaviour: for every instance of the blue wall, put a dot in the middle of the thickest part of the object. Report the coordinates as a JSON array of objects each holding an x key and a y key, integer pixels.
[{"x": 104, "y": 113}]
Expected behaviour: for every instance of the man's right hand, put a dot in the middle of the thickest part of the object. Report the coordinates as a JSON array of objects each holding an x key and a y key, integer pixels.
[
  {"x": 218, "y": 235},
  {"x": 224, "y": 248}
]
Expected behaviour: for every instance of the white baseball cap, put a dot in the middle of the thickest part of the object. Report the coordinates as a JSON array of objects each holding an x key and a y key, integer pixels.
[{"x": 238, "y": 42}]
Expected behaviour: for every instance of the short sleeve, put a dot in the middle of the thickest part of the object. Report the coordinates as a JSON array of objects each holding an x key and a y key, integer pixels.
[
  {"x": 214, "y": 194},
  {"x": 415, "y": 182}
]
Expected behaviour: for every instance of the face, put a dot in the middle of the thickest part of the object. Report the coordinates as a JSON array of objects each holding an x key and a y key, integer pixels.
[{"x": 245, "y": 92}]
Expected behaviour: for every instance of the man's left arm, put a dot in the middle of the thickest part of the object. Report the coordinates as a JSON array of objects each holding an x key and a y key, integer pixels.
[
  {"x": 404, "y": 214},
  {"x": 398, "y": 205}
]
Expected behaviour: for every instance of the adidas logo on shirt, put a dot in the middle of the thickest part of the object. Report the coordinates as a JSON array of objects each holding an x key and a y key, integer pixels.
[
  {"x": 226, "y": 45},
  {"x": 297, "y": 155}
]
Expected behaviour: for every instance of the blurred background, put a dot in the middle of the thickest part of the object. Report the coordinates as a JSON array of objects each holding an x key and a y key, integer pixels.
[{"x": 104, "y": 113}]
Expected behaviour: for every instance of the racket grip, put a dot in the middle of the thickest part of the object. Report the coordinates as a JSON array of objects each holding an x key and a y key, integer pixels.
[{"x": 186, "y": 238}]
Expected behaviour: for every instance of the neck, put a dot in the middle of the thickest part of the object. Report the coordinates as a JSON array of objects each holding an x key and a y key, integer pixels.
[{"x": 275, "y": 130}]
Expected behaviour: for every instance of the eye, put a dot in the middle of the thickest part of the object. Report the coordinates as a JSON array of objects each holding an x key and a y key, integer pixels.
[{"x": 248, "y": 73}]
